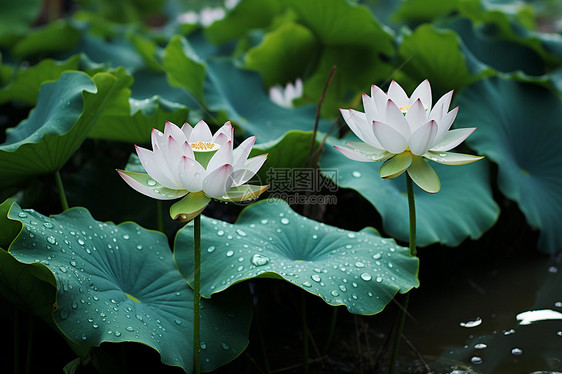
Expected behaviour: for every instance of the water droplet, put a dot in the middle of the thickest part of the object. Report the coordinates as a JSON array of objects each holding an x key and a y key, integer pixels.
[
  {"x": 359, "y": 264},
  {"x": 241, "y": 233},
  {"x": 476, "y": 360},
  {"x": 264, "y": 221},
  {"x": 220, "y": 233},
  {"x": 211, "y": 249},
  {"x": 229, "y": 253},
  {"x": 80, "y": 241},
  {"x": 259, "y": 260},
  {"x": 125, "y": 236},
  {"x": 474, "y": 323},
  {"x": 51, "y": 239},
  {"x": 117, "y": 333},
  {"x": 62, "y": 268},
  {"x": 225, "y": 346},
  {"x": 356, "y": 174},
  {"x": 342, "y": 288},
  {"x": 285, "y": 221},
  {"x": 315, "y": 277},
  {"x": 129, "y": 328},
  {"x": 379, "y": 279},
  {"x": 203, "y": 345},
  {"x": 48, "y": 225},
  {"x": 95, "y": 325},
  {"x": 177, "y": 321},
  {"x": 377, "y": 256},
  {"x": 307, "y": 284},
  {"x": 335, "y": 293},
  {"x": 517, "y": 351},
  {"x": 22, "y": 215},
  {"x": 351, "y": 235},
  {"x": 151, "y": 182},
  {"x": 366, "y": 276},
  {"x": 84, "y": 337},
  {"x": 480, "y": 346}
]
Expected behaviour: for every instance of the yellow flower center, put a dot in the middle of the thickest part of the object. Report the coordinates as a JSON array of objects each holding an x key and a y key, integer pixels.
[
  {"x": 404, "y": 109},
  {"x": 204, "y": 146}
]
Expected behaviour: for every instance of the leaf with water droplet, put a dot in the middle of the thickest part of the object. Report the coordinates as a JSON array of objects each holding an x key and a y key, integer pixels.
[
  {"x": 110, "y": 287},
  {"x": 314, "y": 265}
]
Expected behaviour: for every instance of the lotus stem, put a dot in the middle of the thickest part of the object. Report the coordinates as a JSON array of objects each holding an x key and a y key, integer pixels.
[
  {"x": 62, "y": 195},
  {"x": 412, "y": 246},
  {"x": 30, "y": 334},
  {"x": 331, "y": 331},
  {"x": 196, "y": 292},
  {"x": 159, "y": 216},
  {"x": 16, "y": 343}
]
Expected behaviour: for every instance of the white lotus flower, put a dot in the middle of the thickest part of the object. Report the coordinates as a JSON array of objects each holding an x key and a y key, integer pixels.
[
  {"x": 284, "y": 96},
  {"x": 195, "y": 164},
  {"x": 405, "y": 131}
]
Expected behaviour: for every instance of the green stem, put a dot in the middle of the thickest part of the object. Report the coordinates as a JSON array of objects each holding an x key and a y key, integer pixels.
[
  {"x": 305, "y": 332},
  {"x": 196, "y": 292},
  {"x": 402, "y": 321},
  {"x": 412, "y": 214},
  {"x": 159, "y": 216},
  {"x": 62, "y": 196}
]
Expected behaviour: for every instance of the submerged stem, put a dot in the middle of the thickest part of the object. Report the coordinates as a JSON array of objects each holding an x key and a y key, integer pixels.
[
  {"x": 412, "y": 246},
  {"x": 196, "y": 292},
  {"x": 62, "y": 195}
]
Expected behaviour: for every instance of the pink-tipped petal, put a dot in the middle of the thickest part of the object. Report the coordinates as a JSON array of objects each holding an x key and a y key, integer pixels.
[
  {"x": 154, "y": 166},
  {"x": 248, "y": 170},
  {"x": 378, "y": 96},
  {"x": 171, "y": 129},
  {"x": 351, "y": 154},
  {"x": 416, "y": 115},
  {"x": 157, "y": 139},
  {"x": 392, "y": 140},
  {"x": 371, "y": 109},
  {"x": 219, "y": 181},
  {"x": 452, "y": 139},
  {"x": 396, "y": 119},
  {"x": 144, "y": 184},
  {"x": 201, "y": 133},
  {"x": 423, "y": 92},
  {"x": 221, "y": 157},
  {"x": 191, "y": 174},
  {"x": 397, "y": 94},
  {"x": 241, "y": 153},
  {"x": 361, "y": 127},
  {"x": 227, "y": 130},
  {"x": 423, "y": 138},
  {"x": 445, "y": 123},
  {"x": 441, "y": 107},
  {"x": 187, "y": 130}
]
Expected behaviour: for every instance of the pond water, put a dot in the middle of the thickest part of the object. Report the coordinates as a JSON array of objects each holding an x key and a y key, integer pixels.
[{"x": 491, "y": 318}]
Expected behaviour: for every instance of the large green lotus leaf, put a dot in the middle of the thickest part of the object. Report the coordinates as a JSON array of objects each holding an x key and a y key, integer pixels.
[
  {"x": 183, "y": 67},
  {"x": 437, "y": 55},
  {"x": 338, "y": 22},
  {"x": 247, "y": 15},
  {"x": 424, "y": 10},
  {"x": 519, "y": 129},
  {"x": 66, "y": 111},
  {"x": 287, "y": 153},
  {"x": 17, "y": 16},
  {"x": 59, "y": 36},
  {"x": 117, "y": 52},
  {"x": 502, "y": 55},
  {"x": 464, "y": 207},
  {"x": 131, "y": 120},
  {"x": 284, "y": 54},
  {"x": 25, "y": 84},
  {"x": 360, "y": 270},
  {"x": 119, "y": 283},
  {"x": 346, "y": 33},
  {"x": 241, "y": 94}
]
